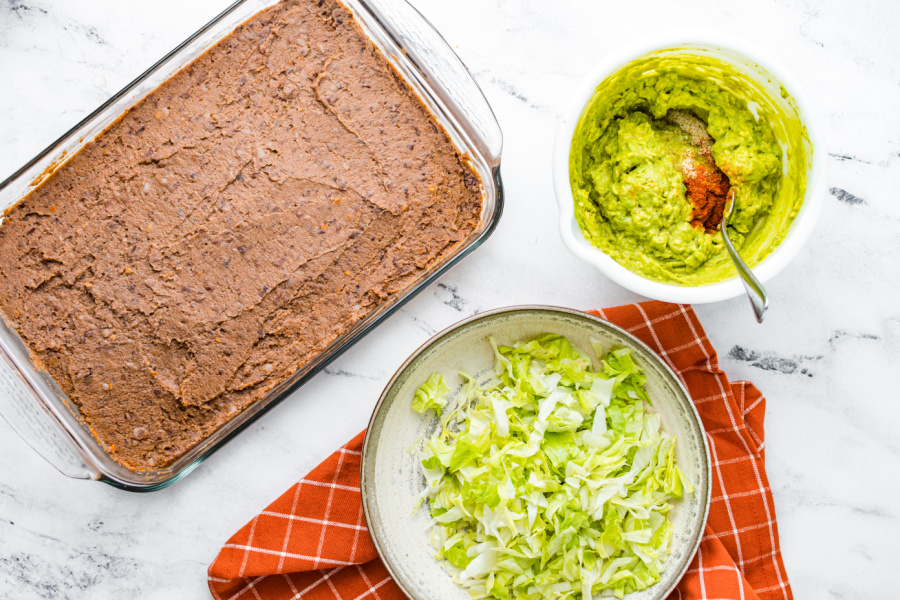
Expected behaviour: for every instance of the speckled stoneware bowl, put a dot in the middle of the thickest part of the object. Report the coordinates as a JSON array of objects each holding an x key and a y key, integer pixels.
[{"x": 392, "y": 479}]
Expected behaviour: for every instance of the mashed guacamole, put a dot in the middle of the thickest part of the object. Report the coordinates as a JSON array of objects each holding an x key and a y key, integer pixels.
[{"x": 627, "y": 166}]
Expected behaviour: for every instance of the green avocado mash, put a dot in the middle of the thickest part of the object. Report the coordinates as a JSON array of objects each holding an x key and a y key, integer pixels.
[{"x": 626, "y": 168}]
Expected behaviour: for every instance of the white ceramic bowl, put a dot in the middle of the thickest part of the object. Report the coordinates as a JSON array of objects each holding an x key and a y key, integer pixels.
[
  {"x": 757, "y": 66},
  {"x": 392, "y": 479}
]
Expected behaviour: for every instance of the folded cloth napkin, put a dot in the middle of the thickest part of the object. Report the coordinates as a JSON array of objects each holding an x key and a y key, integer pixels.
[{"x": 313, "y": 543}]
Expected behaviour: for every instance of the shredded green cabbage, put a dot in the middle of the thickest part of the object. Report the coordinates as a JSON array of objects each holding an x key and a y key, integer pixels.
[
  {"x": 431, "y": 394},
  {"x": 553, "y": 480}
]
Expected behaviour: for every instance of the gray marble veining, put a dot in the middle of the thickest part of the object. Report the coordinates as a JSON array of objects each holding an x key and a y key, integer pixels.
[{"x": 826, "y": 357}]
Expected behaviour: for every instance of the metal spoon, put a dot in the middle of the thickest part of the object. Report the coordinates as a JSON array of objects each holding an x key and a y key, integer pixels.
[
  {"x": 755, "y": 291},
  {"x": 696, "y": 129}
]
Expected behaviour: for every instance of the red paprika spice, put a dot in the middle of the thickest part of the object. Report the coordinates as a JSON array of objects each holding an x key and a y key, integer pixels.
[{"x": 706, "y": 187}]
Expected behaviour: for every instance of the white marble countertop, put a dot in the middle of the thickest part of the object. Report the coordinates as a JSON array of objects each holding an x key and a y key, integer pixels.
[{"x": 825, "y": 357}]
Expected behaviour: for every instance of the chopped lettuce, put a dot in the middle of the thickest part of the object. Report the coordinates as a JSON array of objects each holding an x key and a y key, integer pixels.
[
  {"x": 431, "y": 394},
  {"x": 553, "y": 480}
]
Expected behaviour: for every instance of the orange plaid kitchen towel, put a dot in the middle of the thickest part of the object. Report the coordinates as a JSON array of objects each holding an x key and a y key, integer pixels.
[{"x": 312, "y": 542}]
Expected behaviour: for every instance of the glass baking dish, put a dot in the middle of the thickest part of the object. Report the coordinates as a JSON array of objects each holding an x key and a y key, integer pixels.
[{"x": 32, "y": 402}]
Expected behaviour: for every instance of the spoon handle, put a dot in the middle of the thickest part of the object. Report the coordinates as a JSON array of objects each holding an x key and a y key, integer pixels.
[{"x": 755, "y": 291}]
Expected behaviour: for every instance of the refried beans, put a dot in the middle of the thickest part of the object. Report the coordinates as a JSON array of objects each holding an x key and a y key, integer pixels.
[{"x": 229, "y": 227}]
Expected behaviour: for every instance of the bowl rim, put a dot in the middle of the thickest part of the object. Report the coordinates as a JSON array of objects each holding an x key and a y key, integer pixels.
[
  {"x": 801, "y": 227},
  {"x": 368, "y": 451}
]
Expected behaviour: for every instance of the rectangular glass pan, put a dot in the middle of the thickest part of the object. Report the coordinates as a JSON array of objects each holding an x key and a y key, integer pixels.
[{"x": 32, "y": 402}]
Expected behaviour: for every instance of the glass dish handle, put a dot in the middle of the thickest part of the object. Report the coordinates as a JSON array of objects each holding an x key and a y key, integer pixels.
[
  {"x": 40, "y": 429},
  {"x": 421, "y": 42}
]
